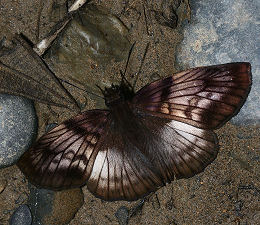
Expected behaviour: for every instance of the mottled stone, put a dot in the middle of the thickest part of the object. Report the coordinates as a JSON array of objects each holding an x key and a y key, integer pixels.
[
  {"x": 54, "y": 207},
  {"x": 21, "y": 216},
  {"x": 122, "y": 215},
  {"x": 222, "y": 32},
  {"x": 18, "y": 127},
  {"x": 95, "y": 33}
]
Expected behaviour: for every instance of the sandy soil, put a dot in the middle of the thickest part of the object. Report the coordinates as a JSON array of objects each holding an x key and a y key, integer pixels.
[{"x": 227, "y": 192}]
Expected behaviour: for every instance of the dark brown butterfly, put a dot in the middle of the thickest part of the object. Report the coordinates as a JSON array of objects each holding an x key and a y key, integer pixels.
[{"x": 145, "y": 139}]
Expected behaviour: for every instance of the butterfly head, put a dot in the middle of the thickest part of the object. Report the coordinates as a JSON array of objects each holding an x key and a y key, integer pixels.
[{"x": 117, "y": 93}]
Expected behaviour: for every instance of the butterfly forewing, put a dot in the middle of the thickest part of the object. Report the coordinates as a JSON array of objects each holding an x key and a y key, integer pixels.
[
  {"x": 205, "y": 97},
  {"x": 60, "y": 158}
]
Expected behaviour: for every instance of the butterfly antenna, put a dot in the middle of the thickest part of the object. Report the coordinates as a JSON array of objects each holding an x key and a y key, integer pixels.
[
  {"x": 67, "y": 6},
  {"x": 142, "y": 62},
  {"x": 127, "y": 62},
  {"x": 129, "y": 55},
  {"x": 73, "y": 85},
  {"x": 124, "y": 79}
]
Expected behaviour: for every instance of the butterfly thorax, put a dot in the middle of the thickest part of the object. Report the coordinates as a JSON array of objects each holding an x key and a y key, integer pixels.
[
  {"x": 117, "y": 94},
  {"x": 118, "y": 99}
]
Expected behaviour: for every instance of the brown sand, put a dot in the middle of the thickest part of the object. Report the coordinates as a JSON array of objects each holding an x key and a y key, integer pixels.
[{"x": 227, "y": 192}]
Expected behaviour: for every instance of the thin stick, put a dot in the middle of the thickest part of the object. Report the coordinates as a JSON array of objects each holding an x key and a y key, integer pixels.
[
  {"x": 76, "y": 5},
  {"x": 145, "y": 18},
  {"x": 142, "y": 62},
  {"x": 73, "y": 85},
  {"x": 39, "y": 20},
  {"x": 129, "y": 5},
  {"x": 44, "y": 44}
]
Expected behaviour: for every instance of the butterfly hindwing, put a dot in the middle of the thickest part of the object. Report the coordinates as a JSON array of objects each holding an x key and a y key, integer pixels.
[
  {"x": 121, "y": 171},
  {"x": 179, "y": 150},
  {"x": 205, "y": 97},
  {"x": 129, "y": 165}
]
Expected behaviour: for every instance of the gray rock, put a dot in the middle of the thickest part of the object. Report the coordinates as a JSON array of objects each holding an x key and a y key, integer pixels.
[
  {"x": 18, "y": 122},
  {"x": 40, "y": 202},
  {"x": 21, "y": 216},
  {"x": 92, "y": 33},
  {"x": 122, "y": 215},
  {"x": 222, "y": 32},
  {"x": 54, "y": 207}
]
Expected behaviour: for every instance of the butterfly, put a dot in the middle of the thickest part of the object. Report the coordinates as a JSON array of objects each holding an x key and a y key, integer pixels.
[{"x": 144, "y": 140}]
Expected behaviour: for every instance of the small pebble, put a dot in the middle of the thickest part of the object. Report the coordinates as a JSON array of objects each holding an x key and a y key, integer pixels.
[
  {"x": 122, "y": 215},
  {"x": 54, "y": 207},
  {"x": 50, "y": 127},
  {"x": 21, "y": 216}
]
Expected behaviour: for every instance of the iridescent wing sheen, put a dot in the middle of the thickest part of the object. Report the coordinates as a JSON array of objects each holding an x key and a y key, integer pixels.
[{"x": 205, "y": 97}]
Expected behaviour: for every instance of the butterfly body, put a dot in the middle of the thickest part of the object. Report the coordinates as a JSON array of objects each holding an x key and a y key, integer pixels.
[
  {"x": 117, "y": 94},
  {"x": 143, "y": 140}
]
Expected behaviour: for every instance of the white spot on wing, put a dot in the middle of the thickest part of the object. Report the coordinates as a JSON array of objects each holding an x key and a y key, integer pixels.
[{"x": 97, "y": 167}]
